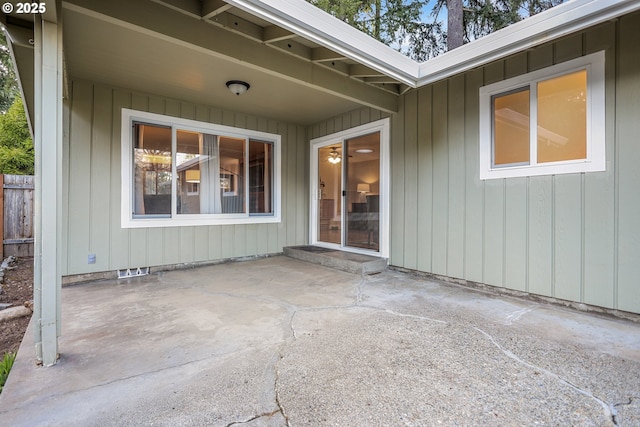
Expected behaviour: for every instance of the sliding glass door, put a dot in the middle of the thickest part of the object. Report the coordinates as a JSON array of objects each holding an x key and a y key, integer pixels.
[
  {"x": 362, "y": 192},
  {"x": 347, "y": 192}
]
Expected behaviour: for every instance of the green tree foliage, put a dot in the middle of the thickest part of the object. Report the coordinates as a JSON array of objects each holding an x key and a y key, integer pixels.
[
  {"x": 390, "y": 21},
  {"x": 8, "y": 82},
  {"x": 483, "y": 17},
  {"x": 407, "y": 26},
  {"x": 16, "y": 146}
]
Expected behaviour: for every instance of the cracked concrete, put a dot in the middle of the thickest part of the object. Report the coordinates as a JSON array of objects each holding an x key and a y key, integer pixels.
[{"x": 278, "y": 342}]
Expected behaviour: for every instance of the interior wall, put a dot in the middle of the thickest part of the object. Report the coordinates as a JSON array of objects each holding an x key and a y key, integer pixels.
[
  {"x": 337, "y": 124},
  {"x": 92, "y": 185},
  {"x": 574, "y": 237}
]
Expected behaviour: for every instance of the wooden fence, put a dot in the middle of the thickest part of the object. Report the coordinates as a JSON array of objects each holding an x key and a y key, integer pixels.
[{"x": 16, "y": 209}]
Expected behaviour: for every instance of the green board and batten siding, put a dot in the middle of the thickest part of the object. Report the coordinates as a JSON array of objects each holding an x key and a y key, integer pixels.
[
  {"x": 92, "y": 203},
  {"x": 574, "y": 237}
]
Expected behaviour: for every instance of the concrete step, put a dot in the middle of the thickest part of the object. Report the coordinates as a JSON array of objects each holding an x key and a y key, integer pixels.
[{"x": 339, "y": 260}]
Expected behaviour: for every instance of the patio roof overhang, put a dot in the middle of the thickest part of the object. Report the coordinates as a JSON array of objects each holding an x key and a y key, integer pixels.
[
  {"x": 287, "y": 49},
  {"x": 304, "y": 19}
]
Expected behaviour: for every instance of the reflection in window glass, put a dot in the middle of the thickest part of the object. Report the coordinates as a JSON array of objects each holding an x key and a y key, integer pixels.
[
  {"x": 511, "y": 128},
  {"x": 232, "y": 174},
  {"x": 260, "y": 177},
  {"x": 562, "y": 118},
  {"x": 210, "y": 172},
  {"x": 188, "y": 156},
  {"x": 152, "y": 170},
  {"x": 188, "y": 172}
]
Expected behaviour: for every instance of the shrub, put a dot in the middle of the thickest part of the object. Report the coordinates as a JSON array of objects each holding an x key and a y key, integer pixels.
[{"x": 5, "y": 366}]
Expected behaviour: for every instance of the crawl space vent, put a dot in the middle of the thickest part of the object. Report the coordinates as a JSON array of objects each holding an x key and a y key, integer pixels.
[{"x": 133, "y": 272}]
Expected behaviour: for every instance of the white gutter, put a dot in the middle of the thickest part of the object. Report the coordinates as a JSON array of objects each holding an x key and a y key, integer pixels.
[
  {"x": 559, "y": 21},
  {"x": 306, "y": 20}
]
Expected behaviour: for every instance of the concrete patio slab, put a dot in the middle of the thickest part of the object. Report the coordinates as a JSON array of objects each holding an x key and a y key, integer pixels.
[{"x": 277, "y": 341}]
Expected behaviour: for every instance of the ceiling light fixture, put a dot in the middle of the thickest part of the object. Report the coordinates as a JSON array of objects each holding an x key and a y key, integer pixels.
[
  {"x": 364, "y": 150},
  {"x": 334, "y": 156},
  {"x": 238, "y": 86}
]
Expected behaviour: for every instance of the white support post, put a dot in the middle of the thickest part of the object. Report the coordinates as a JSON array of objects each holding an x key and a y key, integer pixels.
[{"x": 48, "y": 149}]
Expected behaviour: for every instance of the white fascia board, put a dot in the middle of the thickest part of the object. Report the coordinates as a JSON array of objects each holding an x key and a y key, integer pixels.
[
  {"x": 561, "y": 20},
  {"x": 306, "y": 20}
]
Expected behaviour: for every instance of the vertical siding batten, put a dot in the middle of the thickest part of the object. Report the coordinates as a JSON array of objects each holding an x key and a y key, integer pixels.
[
  {"x": 425, "y": 178},
  {"x": 79, "y": 215},
  {"x": 302, "y": 172},
  {"x": 628, "y": 159},
  {"x": 494, "y": 208},
  {"x": 396, "y": 223},
  {"x": 66, "y": 136},
  {"x": 456, "y": 177},
  {"x": 119, "y": 239},
  {"x": 440, "y": 178},
  {"x": 474, "y": 195},
  {"x": 411, "y": 214},
  {"x": 101, "y": 168}
]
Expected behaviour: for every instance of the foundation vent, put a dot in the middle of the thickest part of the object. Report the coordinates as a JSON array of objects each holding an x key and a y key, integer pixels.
[{"x": 133, "y": 272}]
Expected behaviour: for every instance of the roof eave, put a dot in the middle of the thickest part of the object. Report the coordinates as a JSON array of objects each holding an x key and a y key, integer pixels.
[
  {"x": 562, "y": 20},
  {"x": 308, "y": 21}
]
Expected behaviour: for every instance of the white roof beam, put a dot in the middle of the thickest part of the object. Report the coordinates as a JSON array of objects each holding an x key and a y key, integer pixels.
[
  {"x": 211, "y": 8},
  {"x": 358, "y": 70},
  {"x": 320, "y": 54},
  {"x": 309, "y": 22},
  {"x": 293, "y": 48},
  {"x": 188, "y": 7},
  {"x": 273, "y": 33},
  {"x": 238, "y": 25},
  {"x": 379, "y": 79}
]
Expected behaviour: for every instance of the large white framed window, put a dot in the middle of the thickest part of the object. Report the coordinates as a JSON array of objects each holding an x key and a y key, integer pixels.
[
  {"x": 179, "y": 172},
  {"x": 550, "y": 121}
]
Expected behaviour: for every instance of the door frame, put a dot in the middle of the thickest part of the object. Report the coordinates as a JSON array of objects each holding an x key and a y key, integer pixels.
[{"x": 383, "y": 127}]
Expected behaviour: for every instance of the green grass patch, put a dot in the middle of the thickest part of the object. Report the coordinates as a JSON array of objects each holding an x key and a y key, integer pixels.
[{"x": 5, "y": 367}]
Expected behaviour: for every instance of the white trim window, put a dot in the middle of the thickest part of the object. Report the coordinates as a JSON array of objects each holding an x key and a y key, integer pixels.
[
  {"x": 547, "y": 122},
  {"x": 178, "y": 172}
]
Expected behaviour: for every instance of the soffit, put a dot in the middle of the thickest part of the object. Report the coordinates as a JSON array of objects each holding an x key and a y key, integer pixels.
[
  {"x": 302, "y": 82},
  {"x": 224, "y": 14}
]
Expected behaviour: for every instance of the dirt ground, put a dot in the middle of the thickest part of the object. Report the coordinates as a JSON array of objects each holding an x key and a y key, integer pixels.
[{"x": 16, "y": 289}]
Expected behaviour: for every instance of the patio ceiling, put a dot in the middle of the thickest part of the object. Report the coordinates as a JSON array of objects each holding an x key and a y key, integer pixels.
[{"x": 189, "y": 49}]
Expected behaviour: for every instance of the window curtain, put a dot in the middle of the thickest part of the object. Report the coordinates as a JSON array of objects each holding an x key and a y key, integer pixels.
[
  {"x": 210, "y": 197},
  {"x": 138, "y": 171}
]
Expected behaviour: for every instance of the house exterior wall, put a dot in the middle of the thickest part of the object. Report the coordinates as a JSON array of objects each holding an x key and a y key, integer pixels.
[
  {"x": 346, "y": 121},
  {"x": 574, "y": 237},
  {"x": 92, "y": 182}
]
